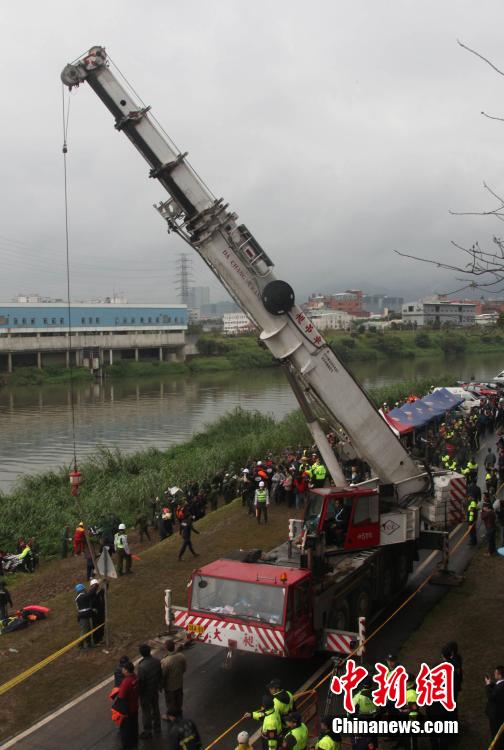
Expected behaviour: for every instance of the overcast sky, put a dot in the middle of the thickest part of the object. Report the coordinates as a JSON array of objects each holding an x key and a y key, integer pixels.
[{"x": 339, "y": 131}]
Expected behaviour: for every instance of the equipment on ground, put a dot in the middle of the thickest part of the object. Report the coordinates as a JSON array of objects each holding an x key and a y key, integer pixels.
[
  {"x": 24, "y": 617},
  {"x": 357, "y": 543}
]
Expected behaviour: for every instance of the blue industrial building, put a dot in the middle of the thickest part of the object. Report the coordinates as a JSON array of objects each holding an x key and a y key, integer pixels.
[
  {"x": 38, "y": 335},
  {"x": 53, "y": 316}
]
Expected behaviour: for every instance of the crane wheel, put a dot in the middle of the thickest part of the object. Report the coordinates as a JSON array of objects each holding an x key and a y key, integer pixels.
[
  {"x": 401, "y": 572},
  {"x": 362, "y": 603},
  {"x": 339, "y": 618}
]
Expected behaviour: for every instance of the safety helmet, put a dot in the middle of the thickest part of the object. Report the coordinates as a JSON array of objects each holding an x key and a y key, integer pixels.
[
  {"x": 261, "y": 484},
  {"x": 121, "y": 527},
  {"x": 243, "y": 738},
  {"x": 245, "y": 471},
  {"x": 259, "y": 463},
  {"x": 79, "y": 587},
  {"x": 94, "y": 582}
]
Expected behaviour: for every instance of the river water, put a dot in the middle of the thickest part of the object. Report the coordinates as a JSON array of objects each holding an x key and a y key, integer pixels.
[{"x": 35, "y": 421}]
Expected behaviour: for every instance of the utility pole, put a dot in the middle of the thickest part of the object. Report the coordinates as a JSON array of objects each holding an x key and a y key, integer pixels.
[{"x": 184, "y": 277}]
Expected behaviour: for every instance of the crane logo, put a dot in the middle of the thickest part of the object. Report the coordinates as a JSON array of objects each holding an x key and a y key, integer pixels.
[{"x": 389, "y": 527}]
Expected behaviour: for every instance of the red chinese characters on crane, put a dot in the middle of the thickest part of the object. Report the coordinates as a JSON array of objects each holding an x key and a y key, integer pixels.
[
  {"x": 348, "y": 682},
  {"x": 391, "y": 685},
  {"x": 436, "y": 685}
]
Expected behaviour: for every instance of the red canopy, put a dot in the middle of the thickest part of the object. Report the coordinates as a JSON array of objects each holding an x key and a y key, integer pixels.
[{"x": 397, "y": 426}]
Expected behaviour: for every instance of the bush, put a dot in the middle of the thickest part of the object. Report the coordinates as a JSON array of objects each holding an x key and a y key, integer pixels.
[
  {"x": 453, "y": 343},
  {"x": 422, "y": 340}
]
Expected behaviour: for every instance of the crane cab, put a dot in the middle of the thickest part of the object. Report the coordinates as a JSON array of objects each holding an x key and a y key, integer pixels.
[{"x": 346, "y": 519}]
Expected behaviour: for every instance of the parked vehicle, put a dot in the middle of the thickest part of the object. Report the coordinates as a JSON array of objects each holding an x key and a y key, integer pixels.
[{"x": 470, "y": 402}]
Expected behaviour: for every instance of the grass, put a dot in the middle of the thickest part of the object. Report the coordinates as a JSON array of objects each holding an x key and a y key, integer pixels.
[
  {"x": 120, "y": 483},
  {"x": 40, "y": 505},
  {"x": 226, "y": 529},
  {"x": 469, "y": 614},
  {"x": 34, "y": 376}
]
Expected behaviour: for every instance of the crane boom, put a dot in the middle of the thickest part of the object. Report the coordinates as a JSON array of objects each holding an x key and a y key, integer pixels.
[{"x": 246, "y": 271}]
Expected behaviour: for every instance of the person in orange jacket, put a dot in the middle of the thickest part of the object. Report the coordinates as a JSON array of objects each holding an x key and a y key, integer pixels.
[{"x": 79, "y": 539}]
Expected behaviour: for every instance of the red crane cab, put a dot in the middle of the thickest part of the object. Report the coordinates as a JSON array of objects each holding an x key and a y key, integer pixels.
[{"x": 347, "y": 519}]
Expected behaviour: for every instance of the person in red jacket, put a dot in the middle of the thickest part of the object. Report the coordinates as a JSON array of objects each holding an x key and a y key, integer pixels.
[
  {"x": 300, "y": 489},
  {"x": 126, "y": 706},
  {"x": 79, "y": 539}
]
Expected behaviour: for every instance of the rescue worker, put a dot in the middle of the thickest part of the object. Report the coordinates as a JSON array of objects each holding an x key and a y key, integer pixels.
[
  {"x": 363, "y": 702},
  {"x": 283, "y": 700},
  {"x": 410, "y": 741},
  {"x": 186, "y": 527},
  {"x": 327, "y": 740},
  {"x": 261, "y": 502},
  {"x": 271, "y": 723},
  {"x": 126, "y": 706},
  {"x": 183, "y": 734},
  {"x": 296, "y": 737},
  {"x": 319, "y": 473},
  {"x": 123, "y": 551},
  {"x": 5, "y": 600},
  {"x": 243, "y": 741},
  {"x": 79, "y": 539},
  {"x": 143, "y": 525},
  {"x": 472, "y": 517},
  {"x": 84, "y": 614}
]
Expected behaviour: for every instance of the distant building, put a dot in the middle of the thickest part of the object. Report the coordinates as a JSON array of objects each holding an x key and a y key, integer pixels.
[
  {"x": 331, "y": 320},
  {"x": 37, "y": 334},
  {"x": 377, "y": 304},
  {"x": 236, "y": 322},
  {"x": 487, "y": 319},
  {"x": 198, "y": 297},
  {"x": 218, "y": 309},
  {"x": 349, "y": 302},
  {"x": 437, "y": 312}
]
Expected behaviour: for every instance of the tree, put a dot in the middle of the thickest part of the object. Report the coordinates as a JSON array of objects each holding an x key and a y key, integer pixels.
[{"x": 484, "y": 266}]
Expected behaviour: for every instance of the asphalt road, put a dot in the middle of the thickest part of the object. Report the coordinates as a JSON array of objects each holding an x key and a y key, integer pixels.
[{"x": 216, "y": 697}]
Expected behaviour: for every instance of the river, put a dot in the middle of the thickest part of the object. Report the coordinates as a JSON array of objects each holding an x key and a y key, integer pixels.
[{"x": 130, "y": 414}]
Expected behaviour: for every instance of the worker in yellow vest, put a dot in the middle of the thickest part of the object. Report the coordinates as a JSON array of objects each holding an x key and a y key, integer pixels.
[
  {"x": 472, "y": 517},
  {"x": 363, "y": 702},
  {"x": 319, "y": 473},
  {"x": 271, "y": 729},
  {"x": 283, "y": 700},
  {"x": 296, "y": 737},
  {"x": 327, "y": 740}
]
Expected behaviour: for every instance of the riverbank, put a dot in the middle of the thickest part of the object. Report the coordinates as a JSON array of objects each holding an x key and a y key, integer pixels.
[
  {"x": 121, "y": 483},
  {"x": 219, "y": 353}
]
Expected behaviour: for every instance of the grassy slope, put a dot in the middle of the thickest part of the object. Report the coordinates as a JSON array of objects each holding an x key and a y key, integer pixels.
[
  {"x": 471, "y": 615},
  {"x": 226, "y": 529}
]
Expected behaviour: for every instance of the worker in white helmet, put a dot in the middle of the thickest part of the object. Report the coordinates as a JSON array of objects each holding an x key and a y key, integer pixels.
[
  {"x": 261, "y": 502},
  {"x": 123, "y": 551}
]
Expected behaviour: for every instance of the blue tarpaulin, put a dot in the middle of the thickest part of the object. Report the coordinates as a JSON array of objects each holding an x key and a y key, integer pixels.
[{"x": 420, "y": 412}]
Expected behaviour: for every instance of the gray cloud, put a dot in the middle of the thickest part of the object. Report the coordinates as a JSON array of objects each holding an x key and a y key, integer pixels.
[{"x": 339, "y": 131}]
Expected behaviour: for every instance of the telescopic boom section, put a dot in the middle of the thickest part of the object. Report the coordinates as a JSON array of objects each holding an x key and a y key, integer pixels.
[{"x": 242, "y": 266}]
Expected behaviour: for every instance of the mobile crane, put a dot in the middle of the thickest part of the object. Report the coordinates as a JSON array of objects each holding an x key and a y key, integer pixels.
[{"x": 295, "y": 602}]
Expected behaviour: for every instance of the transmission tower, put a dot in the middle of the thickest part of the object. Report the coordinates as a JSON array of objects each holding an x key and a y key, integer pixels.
[{"x": 184, "y": 277}]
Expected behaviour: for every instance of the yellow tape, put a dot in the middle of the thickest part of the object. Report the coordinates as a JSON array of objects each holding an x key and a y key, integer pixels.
[{"x": 41, "y": 664}]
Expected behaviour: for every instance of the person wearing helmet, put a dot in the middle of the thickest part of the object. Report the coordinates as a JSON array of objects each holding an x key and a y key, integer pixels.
[
  {"x": 79, "y": 539},
  {"x": 327, "y": 740},
  {"x": 282, "y": 699},
  {"x": 84, "y": 614},
  {"x": 123, "y": 551},
  {"x": 271, "y": 729},
  {"x": 296, "y": 737},
  {"x": 261, "y": 502},
  {"x": 243, "y": 741}
]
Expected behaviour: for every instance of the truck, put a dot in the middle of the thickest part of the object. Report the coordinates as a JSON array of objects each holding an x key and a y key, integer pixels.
[{"x": 355, "y": 547}]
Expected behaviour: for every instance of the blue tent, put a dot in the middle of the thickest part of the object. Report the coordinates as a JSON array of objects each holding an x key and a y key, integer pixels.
[{"x": 419, "y": 413}]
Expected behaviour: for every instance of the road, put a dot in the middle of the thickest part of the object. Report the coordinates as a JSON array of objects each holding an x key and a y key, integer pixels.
[{"x": 216, "y": 697}]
